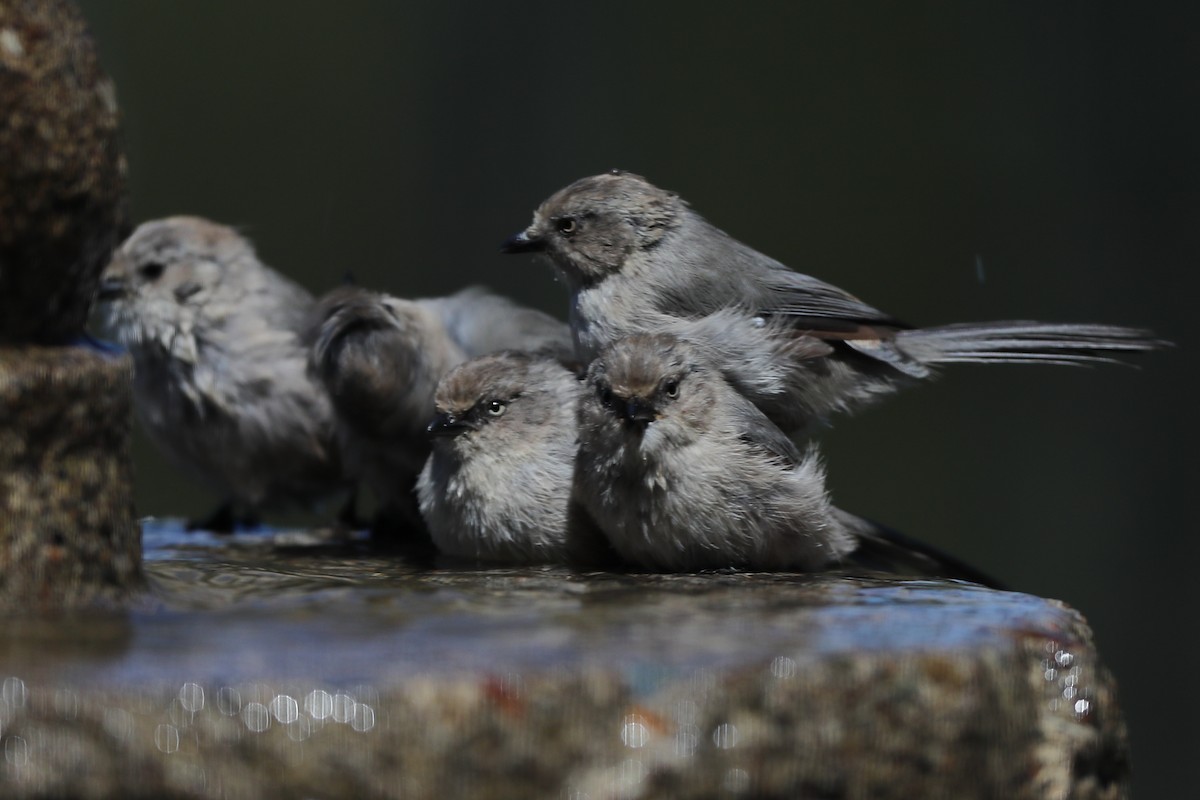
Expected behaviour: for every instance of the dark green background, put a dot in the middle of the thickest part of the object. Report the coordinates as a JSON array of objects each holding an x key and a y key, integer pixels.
[{"x": 890, "y": 148}]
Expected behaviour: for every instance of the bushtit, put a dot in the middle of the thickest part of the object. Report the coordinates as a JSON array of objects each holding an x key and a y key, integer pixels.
[
  {"x": 380, "y": 359},
  {"x": 683, "y": 473},
  {"x": 498, "y": 482},
  {"x": 220, "y": 380},
  {"x": 637, "y": 259}
]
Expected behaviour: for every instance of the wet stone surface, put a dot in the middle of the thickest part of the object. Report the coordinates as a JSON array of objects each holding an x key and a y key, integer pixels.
[{"x": 260, "y": 670}]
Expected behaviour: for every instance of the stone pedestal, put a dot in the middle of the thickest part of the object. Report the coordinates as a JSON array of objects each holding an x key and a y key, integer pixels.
[
  {"x": 275, "y": 675},
  {"x": 62, "y": 175},
  {"x": 68, "y": 536}
]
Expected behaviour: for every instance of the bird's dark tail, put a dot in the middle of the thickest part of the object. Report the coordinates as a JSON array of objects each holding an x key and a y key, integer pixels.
[{"x": 887, "y": 550}]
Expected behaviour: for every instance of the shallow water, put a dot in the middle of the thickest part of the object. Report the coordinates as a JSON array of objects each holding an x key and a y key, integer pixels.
[{"x": 299, "y": 605}]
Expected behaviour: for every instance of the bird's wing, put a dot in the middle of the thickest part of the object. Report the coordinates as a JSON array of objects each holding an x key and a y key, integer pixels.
[
  {"x": 823, "y": 308},
  {"x": 758, "y": 432}
]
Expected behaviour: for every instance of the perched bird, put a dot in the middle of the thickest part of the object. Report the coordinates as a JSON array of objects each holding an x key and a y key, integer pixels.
[
  {"x": 638, "y": 259},
  {"x": 497, "y": 485},
  {"x": 220, "y": 378},
  {"x": 682, "y": 473},
  {"x": 380, "y": 359}
]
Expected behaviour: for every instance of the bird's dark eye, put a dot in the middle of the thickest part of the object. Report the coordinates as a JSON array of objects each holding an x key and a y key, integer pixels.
[
  {"x": 671, "y": 389},
  {"x": 566, "y": 226},
  {"x": 151, "y": 271},
  {"x": 605, "y": 395},
  {"x": 495, "y": 408}
]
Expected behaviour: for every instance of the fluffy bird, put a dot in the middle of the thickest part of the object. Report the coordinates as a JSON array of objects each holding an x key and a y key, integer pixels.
[
  {"x": 220, "y": 374},
  {"x": 682, "y": 473},
  {"x": 497, "y": 485},
  {"x": 380, "y": 358}
]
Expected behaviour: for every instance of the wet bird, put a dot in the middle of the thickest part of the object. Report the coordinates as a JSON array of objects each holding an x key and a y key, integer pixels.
[
  {"x": 220, "y": 375},
  {"x": 380, "y": 359},
  {"x": 682, "y": 473},
  {"x": 638, "y": 259},
  {"x": 497, "y": 485}
]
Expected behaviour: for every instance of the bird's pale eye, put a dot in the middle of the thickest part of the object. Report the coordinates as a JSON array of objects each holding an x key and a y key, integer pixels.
[
  {"x": 566, "y": 226},
  {"x": 496, "y": 408},
  {"x": 151, "y": 270},
  {"x": 671, "y": 389}
]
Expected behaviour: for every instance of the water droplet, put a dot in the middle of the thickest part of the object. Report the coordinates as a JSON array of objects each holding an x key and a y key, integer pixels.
[
  {"x": 16, "y": 751},
  {"x": 633, "y": 732},
  {"x": 300, "y": 730},
  {"x": 191, "y": 695},
  {"x": 783, "y": 668},
  {"x": 13, "y": 692},
  {"x": 363, "y": 718},
  {"x": 229, "y": 701},
  {"x": 257, "y": 717},
  {"x": 687, "y": 739},
  {"x": 343, "y": 707},
  {"x": 725, "y": 736},
  {"x": 66, "y": 704},
  {"x": 285, "y": 709},
  {"x": 319, "y": 704},
  {"x": 166, "y": 738}
]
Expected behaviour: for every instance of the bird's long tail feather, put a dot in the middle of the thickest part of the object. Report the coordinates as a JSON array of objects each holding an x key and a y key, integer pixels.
[{"x": 1022, "y": 342}]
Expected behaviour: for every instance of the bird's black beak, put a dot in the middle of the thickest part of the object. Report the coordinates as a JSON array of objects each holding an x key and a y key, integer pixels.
[
  {"x": 637, "y": 411},
  {"x": 110, "y": 289},
  {"x": 448, "y": 424},
  {"x": 522, "y": 243}
]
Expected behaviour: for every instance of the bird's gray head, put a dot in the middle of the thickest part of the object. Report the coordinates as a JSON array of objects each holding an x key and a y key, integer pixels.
[
  {"x": 482, "y": 398},
  {"x": 592, "y": 226},
  {"x": 165, "y": 271},
  {"x": 643, "y": 379}
]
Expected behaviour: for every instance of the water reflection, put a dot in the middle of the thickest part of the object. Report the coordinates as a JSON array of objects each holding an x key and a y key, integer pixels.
[{"x": 235, "y": 607}]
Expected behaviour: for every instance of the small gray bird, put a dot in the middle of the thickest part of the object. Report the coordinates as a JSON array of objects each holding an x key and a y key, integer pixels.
[
  {"x": 498, "y": 483},
  {"x": 220, "y": 378},
  {"x": 380, "y": 359},
  {"x": 638, "y": 259},
  {"x": 682, "y": 473}
]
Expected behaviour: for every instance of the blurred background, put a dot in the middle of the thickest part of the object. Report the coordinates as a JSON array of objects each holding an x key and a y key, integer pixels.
[{"x": 945, "y": 162}]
